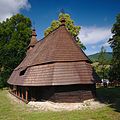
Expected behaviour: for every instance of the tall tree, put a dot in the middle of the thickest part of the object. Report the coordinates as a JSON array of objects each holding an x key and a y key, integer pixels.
[
  {"x": 115, "y": 45},
  {"x": 74, "y": 30},
  {"x": 102, "y": 63},
  {"x": 14, "y": 39}
]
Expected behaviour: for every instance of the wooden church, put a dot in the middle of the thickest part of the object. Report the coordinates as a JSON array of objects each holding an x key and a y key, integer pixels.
[{"x": 56, "y": 69}]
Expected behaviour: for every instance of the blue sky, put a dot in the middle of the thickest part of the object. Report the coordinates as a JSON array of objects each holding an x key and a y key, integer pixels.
[{"x": 95, "y": 17}]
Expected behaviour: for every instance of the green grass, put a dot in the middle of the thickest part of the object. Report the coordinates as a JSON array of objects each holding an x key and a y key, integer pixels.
[{"x": 13, "y": 111}]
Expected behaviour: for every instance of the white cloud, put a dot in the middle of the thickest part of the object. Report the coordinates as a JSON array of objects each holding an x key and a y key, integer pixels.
[
  {"x": 94, "y": 35},
  {"x": 106, "y": 44},
  {"x": 11, "y": 7}
]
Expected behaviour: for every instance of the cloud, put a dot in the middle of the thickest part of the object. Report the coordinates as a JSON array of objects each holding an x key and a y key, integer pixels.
[
  {"x": 11, "y": 7},
  {"x": 106, "y": 44},
  {"x": 94, "y": 35}
]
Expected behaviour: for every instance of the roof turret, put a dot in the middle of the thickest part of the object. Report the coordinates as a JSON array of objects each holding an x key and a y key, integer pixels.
[{"x": 33, "y": 39}]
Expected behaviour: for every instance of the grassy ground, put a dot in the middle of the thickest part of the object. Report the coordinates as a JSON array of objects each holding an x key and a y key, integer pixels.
[{"x": 13, "y": 111}]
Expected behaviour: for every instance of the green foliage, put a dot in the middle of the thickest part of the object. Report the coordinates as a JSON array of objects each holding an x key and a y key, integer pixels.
[
  {"x": 102, "y": 66},
  {"x": 102, "y": 71},
  {"x": 108, "y": 57},
  {"x": 101, "y": 57},
  {"x": 74, "y": 30},
  {"x": 14, "y": 38},
  {"x": 115, "y": 45}
]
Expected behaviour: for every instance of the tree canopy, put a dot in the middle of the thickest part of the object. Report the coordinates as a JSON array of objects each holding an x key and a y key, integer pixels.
[
  {"x": 14, "y": 39},
  {"x": 73, "y": 29},
  {"x": 102, "y": 65},
  {"x": 115, "y": 45}
]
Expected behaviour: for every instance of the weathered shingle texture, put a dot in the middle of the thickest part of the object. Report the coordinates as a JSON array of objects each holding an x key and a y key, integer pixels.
[{"x": 55, "y": 60}]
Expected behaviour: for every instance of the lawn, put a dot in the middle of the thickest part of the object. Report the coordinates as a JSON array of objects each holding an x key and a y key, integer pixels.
[{"x": 14, "y": 111}]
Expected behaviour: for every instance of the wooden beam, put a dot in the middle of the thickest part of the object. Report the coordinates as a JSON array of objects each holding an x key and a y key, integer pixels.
[
  {"x": 22, "y": 94},
  {"x": 26, "y": 93},
  {"x": 19, "y": 97},
  {"x": 18, "y": 92}
]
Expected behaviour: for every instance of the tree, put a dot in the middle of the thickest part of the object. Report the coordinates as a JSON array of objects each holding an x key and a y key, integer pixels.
[
  {"x": 115, "y": 45},
  {"x": 14, "y": 39},
  {"x": 74, "y": 30},
  {"x": 102, "y": 66},
  {"x": 103, "y": 63}
]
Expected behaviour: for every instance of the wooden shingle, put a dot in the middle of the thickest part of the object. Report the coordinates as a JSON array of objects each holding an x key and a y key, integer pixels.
[{"x": 54, "y": 60}]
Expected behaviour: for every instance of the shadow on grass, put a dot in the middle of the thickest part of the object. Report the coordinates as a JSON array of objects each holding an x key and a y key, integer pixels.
[{"x": 110, "y": 96}]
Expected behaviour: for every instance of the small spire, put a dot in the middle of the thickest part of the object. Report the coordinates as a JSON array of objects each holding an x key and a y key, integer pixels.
[
  {"x": 62, "y": 21},
  {"x": 33, "y": 39},
  {"x": 34, "y": 32}
]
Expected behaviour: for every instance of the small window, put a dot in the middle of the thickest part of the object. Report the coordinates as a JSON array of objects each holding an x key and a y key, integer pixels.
[{"x": 23, "y": 72}]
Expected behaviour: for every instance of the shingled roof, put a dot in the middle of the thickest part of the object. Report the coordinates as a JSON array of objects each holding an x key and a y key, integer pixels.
[{"x": 54, "y": 60}]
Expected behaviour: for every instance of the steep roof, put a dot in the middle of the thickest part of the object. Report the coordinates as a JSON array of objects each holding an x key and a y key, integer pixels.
[
  {"x": 55, "y": 60},
  {"x": 57, "y": 46}
]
